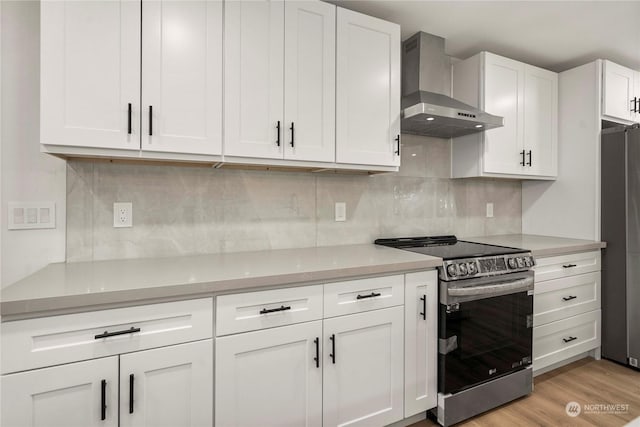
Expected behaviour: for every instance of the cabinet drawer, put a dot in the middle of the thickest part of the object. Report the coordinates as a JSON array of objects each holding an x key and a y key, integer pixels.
[
  {"x": 356, "y": 296},
  {"x": 562, "y": 298},
  {"x": 548, "y": 268},
  {"x": 560, "y": 340},
  {"x": 267, "y": 309},
  {"x": 48, "y": 341}
]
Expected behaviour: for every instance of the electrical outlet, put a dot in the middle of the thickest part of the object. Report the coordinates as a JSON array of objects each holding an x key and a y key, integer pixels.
[
  {"x": 489, "y": 210},
  {"x": 341, "y": 211},
  {"x": 123, "y": 214}
]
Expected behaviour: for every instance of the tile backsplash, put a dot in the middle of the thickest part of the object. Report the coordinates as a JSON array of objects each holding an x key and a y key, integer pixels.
[{"x": 181, "y": 210}]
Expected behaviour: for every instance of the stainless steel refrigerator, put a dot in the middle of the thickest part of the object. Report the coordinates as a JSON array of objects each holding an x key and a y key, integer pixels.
[{"x": 620, "y": 225}]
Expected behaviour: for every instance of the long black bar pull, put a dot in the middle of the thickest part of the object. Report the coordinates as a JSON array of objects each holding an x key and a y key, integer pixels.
[
  {"x": 333, "y": 348},
  {"x": 129, "y": 119},
  {"x": 371, "y": 295},
  {"x": 530, "y": 157},
  {"x": 292, "y": 135},
  {"x": 522, "y": 163},
  {"x": 398, "y": 145},
  {"x": 103, "y": 400},
  {"x": 273, "y": 310},
  {"x": 108, "y": 334},
  {"x": 317, "y": 358},
  {"x": 423, "y": 298},
  {"x": 278, "y": 131},
  {"x": 569, "y": 339},
  {"x": 150, "y": 120},
  {"x": 569, "y": 298},
  {"x": 131, "y": 393}
]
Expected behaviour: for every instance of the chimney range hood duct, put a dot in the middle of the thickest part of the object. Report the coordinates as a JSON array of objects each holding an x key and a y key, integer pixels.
[{"x": 426, "y": 79}]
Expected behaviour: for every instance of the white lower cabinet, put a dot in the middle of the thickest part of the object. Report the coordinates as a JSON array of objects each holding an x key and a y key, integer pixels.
[
  {"x": 270, "y": 377},
  {"x": 62, "y": 396},
  {"x": 363, "y": 368}
]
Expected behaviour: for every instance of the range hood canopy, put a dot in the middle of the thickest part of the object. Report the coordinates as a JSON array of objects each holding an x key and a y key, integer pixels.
[{"x": 426, "y": 81}]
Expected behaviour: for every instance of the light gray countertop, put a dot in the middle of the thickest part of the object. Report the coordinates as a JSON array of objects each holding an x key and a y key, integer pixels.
[
  {"x": 540, "y": 246},
  {"x": 81, "y": 285}
]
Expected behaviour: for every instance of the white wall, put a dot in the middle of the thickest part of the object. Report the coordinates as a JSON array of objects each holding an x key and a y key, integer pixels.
[{"x": 25, "y": 173}]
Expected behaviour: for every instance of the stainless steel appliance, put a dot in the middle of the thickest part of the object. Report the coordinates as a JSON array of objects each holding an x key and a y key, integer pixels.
[
  {"x": 485, "y": 323},
  {"x": 620, "y": 228},
  {"x": 427, "y": 108}
]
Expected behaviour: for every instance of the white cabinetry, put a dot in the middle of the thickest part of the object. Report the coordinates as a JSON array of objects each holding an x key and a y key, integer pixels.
[
  {"x": 280, "y": 80},
  {"x": 91, "y": 79},
  {"x": 168, "y": 384},
  {"x": 90, "y": 74},
  {"x": 420, "y": 338},
  {"x": 566, "y": 309},
  {"x": 620, "y": 93},
  {"x": 527, "y": 98},
  {"x": 368, "y": 90}
]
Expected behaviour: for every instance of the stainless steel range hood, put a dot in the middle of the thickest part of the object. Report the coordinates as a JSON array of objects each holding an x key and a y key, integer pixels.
[{"x": 427, "y": 108}]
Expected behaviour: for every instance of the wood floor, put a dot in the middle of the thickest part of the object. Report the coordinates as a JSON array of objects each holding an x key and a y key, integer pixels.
[{"x": 586, "y": 382}]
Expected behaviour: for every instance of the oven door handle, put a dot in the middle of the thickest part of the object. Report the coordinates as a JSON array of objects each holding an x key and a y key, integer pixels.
[{"x": 493, "y": 289}]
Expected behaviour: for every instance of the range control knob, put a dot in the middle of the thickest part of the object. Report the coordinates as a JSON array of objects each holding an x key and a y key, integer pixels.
[
  {"x": 527, "y": 261},
  {"x": 520, "y": 262},
  {"x": 463, "y": 269},
  {"x": 451, "y": 270},
  {"x": 512, "y": 263},
  {"x": 472, "y": 269}
]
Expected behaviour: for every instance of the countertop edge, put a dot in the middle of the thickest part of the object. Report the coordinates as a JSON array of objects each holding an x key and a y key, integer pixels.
[
  {"x": 56, "y": 305},
  {"x": 563, "y": 250}
]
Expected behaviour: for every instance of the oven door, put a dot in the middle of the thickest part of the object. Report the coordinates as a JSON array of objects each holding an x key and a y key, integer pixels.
[{"x": 485, "y": 329}]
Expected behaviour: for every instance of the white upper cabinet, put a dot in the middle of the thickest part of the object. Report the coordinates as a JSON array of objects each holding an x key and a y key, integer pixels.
[
  {"x": 527, "y": 98},
  {"x": 620, "y": 92},
  {"x": 90, "y": 73},
  {"x": 367, "y": 90},
  {"x": 182, "y": 76},
  {"x": 309, "y": 75},
  {"x": 254, "y": 78}
]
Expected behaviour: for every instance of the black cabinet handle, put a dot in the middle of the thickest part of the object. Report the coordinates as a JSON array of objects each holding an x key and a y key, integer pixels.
[
  {"x": 107, "y": 334},
  {"x": 131, "y": 393},
  {"x": 566, "y": 340},
  {"x": 129, "y": 119},
  {"x": 317, "y": 358},
  {"x": 371, "y": 295},
  {"x": 292, "y": 135},
  {"x": 530, "y": 157},
  {"x": 423, "y": 298},
  {"x": 569, "y": 298},
  {"x": 103, "y": 400},
  {"x": 522, "y": 163},
  {"x": 278, "y": 131},
  {"x": 150, "y": 120},
  {"x": 569, "y": 266},
  {"x": 635, "y": 105},
  {"x": 332, "y": 338},
  {"x": 273, "y": 310},
  {"x": 397, "y": 145}
]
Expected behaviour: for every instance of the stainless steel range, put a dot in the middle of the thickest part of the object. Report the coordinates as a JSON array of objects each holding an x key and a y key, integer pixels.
[{"x": 485, "y": 323}]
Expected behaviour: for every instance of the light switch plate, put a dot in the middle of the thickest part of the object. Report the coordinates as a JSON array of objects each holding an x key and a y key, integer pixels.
[
  {"x": 31, "y": 215},
  {"x": 341, "y": 211},
  {"x": 122, "y": 214}
]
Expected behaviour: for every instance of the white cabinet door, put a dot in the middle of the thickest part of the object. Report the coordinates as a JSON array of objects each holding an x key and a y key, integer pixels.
[
  {"x": 172, "y": 386},
  {"x": 90, "y": 73},
  {"x": 363, "y": 368},
  {"x": 272, "y": 376},
  {"x": 421, "y": 342},
  {"x": 254, "y": 79},
  {"x": 636, "y": 96},
  {"x": 367, "y": 90},
  {"x": 310, "y": 49},
  {"x": 182, "y": 76},
  {"x": 617, "y": 91},
  {"x": 540, "y": 121},
  {"x": 62, "y": 396},
  {"x": 504, "y": 96}
]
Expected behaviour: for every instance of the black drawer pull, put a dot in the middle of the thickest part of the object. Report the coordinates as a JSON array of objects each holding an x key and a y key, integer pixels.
[
  {"x": 423, "y": 298},
  {"x": 397, "y": 139},
  {"x": 530, "y": 156},
  {"x": 107, "y": 334},
  {"x": 569, "y": 298},
  {"x": 131, "y": 393},
  {"x": 129, "y": 119},
  {"x": 273, "y": 310},
  {"x": 569, "y": 265},
  {"x": 569, "y": 339},
  {"x": 333, "y": 348},
  {"x": 103, "y": 400},
  {"x": 317, "y": 358},
  {"x": 292, "y": 135},
  {"x": 278, "y": 132},
  {"x": 522, "y": 163},
  {"x": 150, "y": 120},
  {"x": 371, "y": 295}
]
